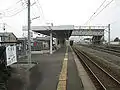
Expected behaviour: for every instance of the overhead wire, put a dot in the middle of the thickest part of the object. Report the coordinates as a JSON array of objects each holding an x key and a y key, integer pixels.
[
  {"x": 39, "y": 6},
  {"x": 96, "y": 11},
  {"x": 40, "y": 9},
  {"x": 16, "y": 12},
  {"x": 91, "y": 18},
  {"x": 24, "y": 6},
  {"x": 33, "y": 10},
  {"x": 103, "y": 8},
  {"x": 106, "y": 7},
  {"x": 13, "y": 5},
  {"x": 13, "y": 10},
  {"x": 33, "y": 14}
]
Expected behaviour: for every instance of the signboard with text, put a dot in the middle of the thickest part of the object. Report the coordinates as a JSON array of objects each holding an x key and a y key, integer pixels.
[{"x": 11, "y": 55}]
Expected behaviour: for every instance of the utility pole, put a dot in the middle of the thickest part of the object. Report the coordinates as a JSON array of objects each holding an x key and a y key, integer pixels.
[
  {"x": 3, "y": 26},
  {"x": 51, "y": 38},
  {"x": 4, "y": 32},
  {"x": 108, "y": 34},
  {"x": 51, "y": 42},
  {"x": 29, "y": 36}
]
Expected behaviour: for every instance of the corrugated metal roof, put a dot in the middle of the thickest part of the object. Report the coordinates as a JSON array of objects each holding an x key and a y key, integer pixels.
[
  {"x": 43, "y": 28},
  {"x": 5, "y": 34}
]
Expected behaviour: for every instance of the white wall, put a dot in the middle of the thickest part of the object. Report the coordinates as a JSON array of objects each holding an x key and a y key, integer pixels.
[{"x": 0, "y": 41}]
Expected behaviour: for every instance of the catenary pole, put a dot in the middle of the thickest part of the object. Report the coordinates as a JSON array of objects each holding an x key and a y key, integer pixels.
[
  {"x": 108, "y": 34},
  {"x": 51, "y": 39},
  {"x": 29, "y": 36}
]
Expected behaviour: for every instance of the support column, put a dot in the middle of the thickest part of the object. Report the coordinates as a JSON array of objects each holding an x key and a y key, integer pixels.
[
  {"x": 109, "y": 34},
  {"x": 29, "y": 36},
  {"x": 51, "y": 42}
]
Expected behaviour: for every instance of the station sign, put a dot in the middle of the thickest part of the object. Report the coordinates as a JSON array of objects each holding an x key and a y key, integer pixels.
[{"x": 11, "y": 55}]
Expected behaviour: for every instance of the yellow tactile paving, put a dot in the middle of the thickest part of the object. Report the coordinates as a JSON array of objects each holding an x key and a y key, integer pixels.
[
  {"x": 63, "y": 73},
  {"x": 66, "y": 54},
  {"x": 63, "y": 77},
  {"x": 65, "y": 58},
  {"x": 61, "y": 85}
]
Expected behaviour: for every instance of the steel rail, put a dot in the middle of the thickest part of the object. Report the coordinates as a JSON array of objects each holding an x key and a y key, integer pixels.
[
  {"x": 100, "y": 83},
  {"x": 107, "y": 50},
  {"x": 78, "y": 52},
  {"x": 111, "y": 51}
]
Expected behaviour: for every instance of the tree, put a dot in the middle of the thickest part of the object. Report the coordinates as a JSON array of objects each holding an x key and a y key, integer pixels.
[{"x": 116, "y": 39}]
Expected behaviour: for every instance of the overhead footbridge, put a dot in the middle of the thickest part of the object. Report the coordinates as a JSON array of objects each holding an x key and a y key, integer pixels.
[{"x": 97, "y": 32}]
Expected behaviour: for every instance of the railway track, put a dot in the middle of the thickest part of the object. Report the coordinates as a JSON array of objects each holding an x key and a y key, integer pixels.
[
  {"x": 108, "y": 50},
  {"x": 105, "y": 49},
  {"x": 102, "y": 79}
]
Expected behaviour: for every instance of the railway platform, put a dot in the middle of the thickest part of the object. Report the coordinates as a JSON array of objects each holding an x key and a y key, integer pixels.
[{"x": 59, "y": 71}]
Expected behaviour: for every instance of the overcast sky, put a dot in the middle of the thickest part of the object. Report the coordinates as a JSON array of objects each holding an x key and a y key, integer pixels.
[{"x": 60, "y": 12}]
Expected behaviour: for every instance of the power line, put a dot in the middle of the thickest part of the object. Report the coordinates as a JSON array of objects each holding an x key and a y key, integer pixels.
[
  {"x": 13, "y": 5},
  {"x": 96, "y": 11},
  {"x": 19, "y": 11},
  {"x": 33, "y": 14},
  {"x": 33, "y": 10},
  {"x": 13, "y": 10},
  {"x": 103, "y": 8},
  {"x": 16, "y": 12},
  {"x": 40, "y": 8},
  {"x": 101, "y": 5},
  {"x": 35, "y": 17}
]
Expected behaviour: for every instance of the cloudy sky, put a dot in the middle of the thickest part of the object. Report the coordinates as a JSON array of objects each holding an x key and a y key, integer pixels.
[{"x": 59, "y": 12}]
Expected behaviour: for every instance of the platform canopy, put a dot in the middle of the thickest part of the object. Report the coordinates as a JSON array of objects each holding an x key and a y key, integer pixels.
[
  {"x": 62, "y": 31},
  {"x": 53, "y": 28},
  {"x": 65, "y": 31}
]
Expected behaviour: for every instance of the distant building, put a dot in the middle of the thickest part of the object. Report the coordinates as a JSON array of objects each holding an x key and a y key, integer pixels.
[
  {"x": 22, "y": 46},
  {"x": 116, "y": 39},
  {"x": 115, "y": 43},
  {"x": 7, "y": 37},
  {"x": 40, "y": 43},
  {"x": 37, "y": 44}
]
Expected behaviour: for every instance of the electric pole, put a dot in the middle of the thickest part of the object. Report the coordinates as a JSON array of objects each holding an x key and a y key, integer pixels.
[
  {"x": 51, "y": 39},
  {"x": 4, "y": 32},
  {"x": 29, "y": 36},
  {"x": 108, "y": 34}
]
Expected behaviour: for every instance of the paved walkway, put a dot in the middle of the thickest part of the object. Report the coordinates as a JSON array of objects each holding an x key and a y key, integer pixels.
[
  {"x": 50, "y": 69},
  {"x": 74, "y": 82},
  {"x": 54, "y": 72}
]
